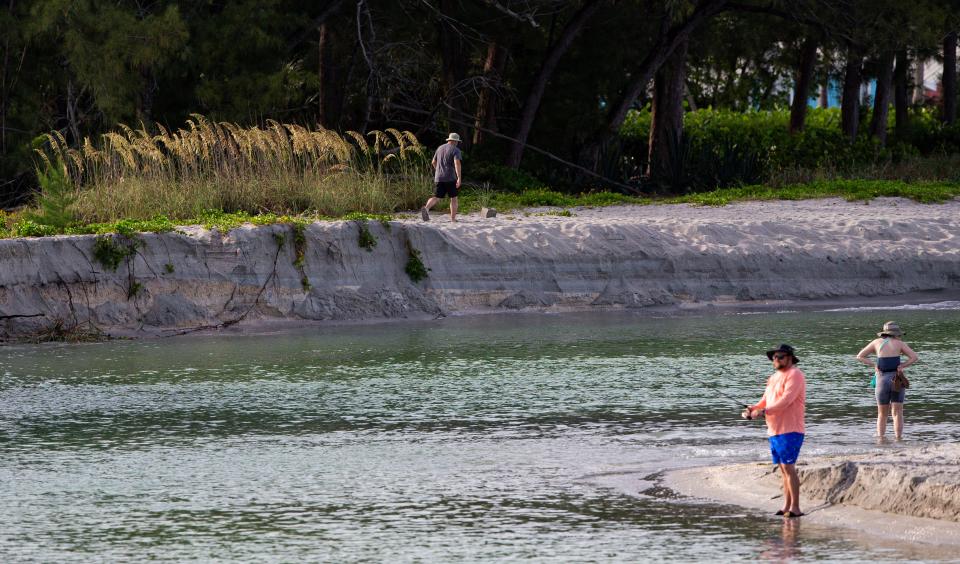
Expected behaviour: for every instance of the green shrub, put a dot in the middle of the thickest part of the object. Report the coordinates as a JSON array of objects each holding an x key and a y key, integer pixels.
[
  {"x": 415, "y": 268},
  {"x": 723, "y": 148},
  {"x": 54, "y": 199},
  {"x": 366, "y": 239},
  {"x": 111, "y": 250},
  {"x": 299, "y": 243},
  {"x": 29, "y": 228},
  {"x": 383, "y": 219},
  {"x": 505, "y": 178}
]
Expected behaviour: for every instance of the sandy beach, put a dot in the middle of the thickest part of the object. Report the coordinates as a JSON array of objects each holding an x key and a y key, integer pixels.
[
  {"x": 753, "y": 254},
  {"x": 901, "y": 494}
]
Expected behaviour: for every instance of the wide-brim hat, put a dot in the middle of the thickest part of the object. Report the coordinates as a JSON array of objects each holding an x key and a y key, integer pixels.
[
  {"x": 783, "y": 349},
  {"x": 890, "y": 329},
  {"x": 454, "y": 137}
]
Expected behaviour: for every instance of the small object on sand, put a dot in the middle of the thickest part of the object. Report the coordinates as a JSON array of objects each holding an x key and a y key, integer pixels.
[
  {"x": 488, "y": 213},
  {"x": 424, "y": 214}
]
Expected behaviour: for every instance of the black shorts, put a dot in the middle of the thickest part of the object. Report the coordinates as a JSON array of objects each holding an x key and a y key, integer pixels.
[{"x": 445, "y": 189}]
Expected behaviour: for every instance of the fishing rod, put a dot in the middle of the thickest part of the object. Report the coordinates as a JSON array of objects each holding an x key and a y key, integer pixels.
[{"x": 733, "y": 399}]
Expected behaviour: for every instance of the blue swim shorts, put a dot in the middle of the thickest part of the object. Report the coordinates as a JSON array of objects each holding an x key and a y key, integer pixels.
[{"x": 785, "y": 448}]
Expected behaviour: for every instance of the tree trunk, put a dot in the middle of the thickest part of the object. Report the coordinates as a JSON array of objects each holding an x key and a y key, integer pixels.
[
  {"x": 144, "y": 103},
  {"x": 339, "y": 92},
  {"x": 823, "y": 101},
  {"x": 453, "y": 62},
  {"x": 900, "y": 101},
  {"x": 691, "y": 101},
  {"x": 532, "y": 104},
  {"x": 950, "y": 78},
  {"x": 801, "y": 92},
  {"x": 662, "y": 49},
  {"x": 919, "y": 90},
  {"x": 850, "y": 104},
  {"x": 881, "y": 101},
  {"x": 666, "y": 113},
  {"x": 72, "y": 113},
  {"x": 324, "y": 72},
  {"x": 493, "y": 67},
  {"x": 3, "y": 89}
]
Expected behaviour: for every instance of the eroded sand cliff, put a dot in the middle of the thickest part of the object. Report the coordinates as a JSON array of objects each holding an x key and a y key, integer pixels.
[
  {"x": 623, "y": 257},
  {"x": 898, "y": 493}
]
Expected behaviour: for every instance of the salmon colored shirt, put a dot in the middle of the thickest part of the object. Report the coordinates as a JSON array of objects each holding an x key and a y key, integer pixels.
[{"x": 784, "y": 401}]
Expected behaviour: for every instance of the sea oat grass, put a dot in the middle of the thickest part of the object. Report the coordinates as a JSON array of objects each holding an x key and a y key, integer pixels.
[{"x": 280, "y": 168}]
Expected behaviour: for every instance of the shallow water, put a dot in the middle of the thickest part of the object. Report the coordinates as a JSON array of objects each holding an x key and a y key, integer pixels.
[{"x": 465, "y": 439}]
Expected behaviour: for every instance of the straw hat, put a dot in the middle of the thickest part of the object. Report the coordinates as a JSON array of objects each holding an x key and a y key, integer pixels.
[
  {"x": 890, "y": 329},
  {"x": 453, "y": 137}
]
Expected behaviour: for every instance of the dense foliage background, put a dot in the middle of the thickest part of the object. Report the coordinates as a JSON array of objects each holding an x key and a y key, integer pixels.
[{"x": 560, "y": 89}]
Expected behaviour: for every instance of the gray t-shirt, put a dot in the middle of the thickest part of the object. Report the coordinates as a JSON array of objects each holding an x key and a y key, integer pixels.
[{"x": 445, "y": 155}]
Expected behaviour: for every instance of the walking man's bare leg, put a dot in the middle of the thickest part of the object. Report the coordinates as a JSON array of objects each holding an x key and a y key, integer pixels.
[
  {"x": 453, "y": 209},
  {"x": 425, "y": 210}
]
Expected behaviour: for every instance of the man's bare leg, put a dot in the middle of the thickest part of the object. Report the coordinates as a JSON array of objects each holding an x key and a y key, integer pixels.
[
  {"x": 897, "y": 420},
  {"x": 791, "y": 491},
  {"x": 785, "y": 488},
  {"x": 453, "y": 209},
  {"x": 883, "y": 411},
  {"x": 424, "y": 211}
]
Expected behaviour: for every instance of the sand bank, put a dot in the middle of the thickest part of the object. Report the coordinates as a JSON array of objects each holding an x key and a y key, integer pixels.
[
  {"x": 665, "y": 256},
  {"x": 908, "y": 494}
]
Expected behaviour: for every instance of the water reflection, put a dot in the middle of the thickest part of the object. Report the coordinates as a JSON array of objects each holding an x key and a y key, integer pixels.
[
  {"x": 461, "y": 439},
  {"x": 786, "y": 546}
]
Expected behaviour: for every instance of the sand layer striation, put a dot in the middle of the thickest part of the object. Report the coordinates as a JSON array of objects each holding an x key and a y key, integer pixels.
[{"x": 621, "y": 257}]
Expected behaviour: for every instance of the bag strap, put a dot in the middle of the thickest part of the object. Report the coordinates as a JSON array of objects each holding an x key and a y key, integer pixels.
[{"x": 883, "y": 344}]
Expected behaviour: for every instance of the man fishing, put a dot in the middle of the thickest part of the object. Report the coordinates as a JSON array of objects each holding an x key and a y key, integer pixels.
[{"x": 782, "y": 406}]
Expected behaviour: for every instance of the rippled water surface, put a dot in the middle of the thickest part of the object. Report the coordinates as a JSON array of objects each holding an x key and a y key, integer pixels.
[{"x": 464, "y": 439}]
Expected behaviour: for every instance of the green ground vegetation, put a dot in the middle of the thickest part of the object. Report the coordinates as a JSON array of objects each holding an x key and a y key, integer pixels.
[
  {"x": 721, "y": 148},
  {"x": 221, "y": 176},
  {"x": 928, "y": 192}
]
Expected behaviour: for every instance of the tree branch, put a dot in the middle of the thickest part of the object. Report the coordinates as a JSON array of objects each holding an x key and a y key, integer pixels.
[
  {"x": 526, "y": 18},
  {"x": 549, "y": 155},
  {"x": 332, "y": 6}
]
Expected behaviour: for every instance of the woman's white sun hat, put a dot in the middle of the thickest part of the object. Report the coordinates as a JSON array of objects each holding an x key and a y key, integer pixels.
[
  {"x": 890, "y": 329},
  {"x": 453, "y": 137}
]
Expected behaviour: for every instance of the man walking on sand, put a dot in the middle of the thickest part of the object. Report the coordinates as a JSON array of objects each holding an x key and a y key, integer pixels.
[
  {"x": 783, "y": 405},
  {"x": 446, "y": 162}
]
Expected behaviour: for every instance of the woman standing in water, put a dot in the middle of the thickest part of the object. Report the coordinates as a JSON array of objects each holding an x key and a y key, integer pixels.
[{"x": 888, "y": 348}]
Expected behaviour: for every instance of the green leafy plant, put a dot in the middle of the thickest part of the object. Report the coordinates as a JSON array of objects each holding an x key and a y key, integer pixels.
[
  {"x": 383, "y": 219},
  {"x": 168, "y": 268},
  {"x": 134, "y": 289},
  {"x": 299, "y": 243},
  {"x": 300, "y": 252},
  {"x": 366, "y": 240},
  {"x": 29, "y": 228},
  {"x": 110, "y": 251},
  {"x": 415, "y": 268}
]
